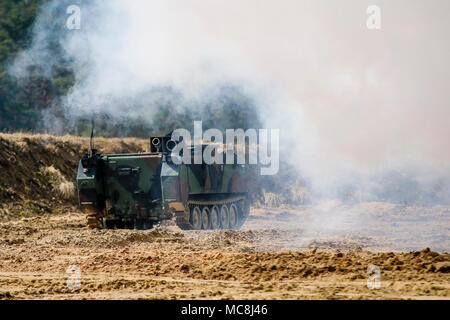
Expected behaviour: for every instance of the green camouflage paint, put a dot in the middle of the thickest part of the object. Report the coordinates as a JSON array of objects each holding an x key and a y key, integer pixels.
[{"x": 144, "y": 186}]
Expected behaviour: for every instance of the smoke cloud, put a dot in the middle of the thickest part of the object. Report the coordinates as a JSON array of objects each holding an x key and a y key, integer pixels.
[{"x": 353, "y": 104}]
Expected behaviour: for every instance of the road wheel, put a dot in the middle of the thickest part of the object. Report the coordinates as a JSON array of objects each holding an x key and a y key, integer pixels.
[
  {"x": 244, "y": 210},
  {"x": 196, "y": 218},
  {"x": 205, "y": 218},
  {"x": 224, "y": 217},
  {"x": 234, "y": 216},
  {"x": 215, "y": 217}
]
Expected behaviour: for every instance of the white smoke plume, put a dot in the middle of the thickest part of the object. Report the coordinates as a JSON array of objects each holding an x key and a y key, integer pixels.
[{"x": 351, "y": 103}]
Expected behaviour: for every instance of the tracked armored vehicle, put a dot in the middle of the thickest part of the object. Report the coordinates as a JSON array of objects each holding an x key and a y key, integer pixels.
[{"x": 139, "y": 190}]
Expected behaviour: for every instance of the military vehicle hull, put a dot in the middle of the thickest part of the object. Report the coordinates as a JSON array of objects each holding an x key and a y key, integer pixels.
[{"x": 143, "y": 189}]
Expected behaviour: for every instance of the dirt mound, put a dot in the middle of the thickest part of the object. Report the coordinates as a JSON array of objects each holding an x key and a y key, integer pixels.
[
  {"x": 39, "y": 171},
  {"x": 222, "y": 239},
  {"x": 70, "y": 230},
  {"x": 107, "y": 238},
  {"x": 166, "y": 263}
]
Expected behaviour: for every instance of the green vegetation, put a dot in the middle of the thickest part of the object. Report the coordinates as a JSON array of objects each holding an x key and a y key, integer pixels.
[
  {"x": 23, "y": 100},
  {"x": 20, "y": 103}
]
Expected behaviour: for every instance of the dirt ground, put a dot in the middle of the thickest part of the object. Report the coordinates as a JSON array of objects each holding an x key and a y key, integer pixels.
[{"x": 303, "y": 252}]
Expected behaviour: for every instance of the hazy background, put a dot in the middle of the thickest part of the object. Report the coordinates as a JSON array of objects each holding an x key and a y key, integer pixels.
[{"x": 359, "y": 110}]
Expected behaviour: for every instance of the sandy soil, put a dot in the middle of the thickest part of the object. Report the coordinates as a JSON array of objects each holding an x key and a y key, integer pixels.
[{"x": 305, "y": 252}]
